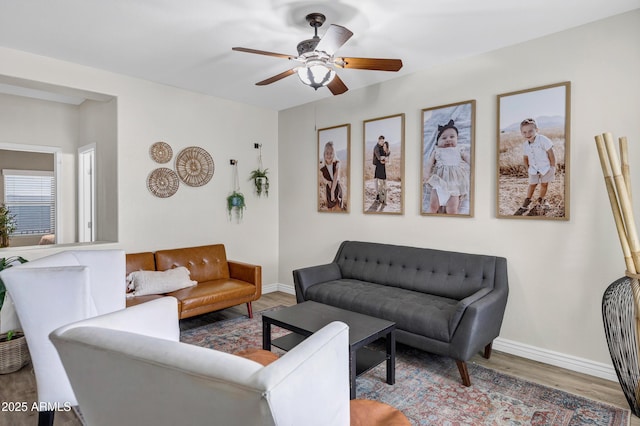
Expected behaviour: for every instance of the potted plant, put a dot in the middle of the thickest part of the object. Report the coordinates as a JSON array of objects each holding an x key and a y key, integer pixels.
[
  {"x": 7, "y": 225},
  {"x": 14, "y": 353},
  {"x": 235, "y": 204},
  {"x": 260, "y": 181}
]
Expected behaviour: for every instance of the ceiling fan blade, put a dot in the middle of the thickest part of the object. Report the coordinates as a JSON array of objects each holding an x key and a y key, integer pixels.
[
  {"x": 335, "y": 37},
  {"x": 275, "y": 78},
  {"x": 337, "y": 86},
  {"x": 369, "y": 64},
  {"x": 262, "y": 52}
]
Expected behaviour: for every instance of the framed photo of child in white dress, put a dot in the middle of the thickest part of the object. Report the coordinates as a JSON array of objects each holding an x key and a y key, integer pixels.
[
  {"x": 334, "y": 144},
  {"x": 533, "y": 153},
  {"x": 383, "y": 180},
  {"x": 447, "y": 158}
]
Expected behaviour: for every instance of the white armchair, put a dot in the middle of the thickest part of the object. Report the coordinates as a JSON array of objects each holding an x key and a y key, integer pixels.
[
  {"x": 56, "y": 290},
  {"x": 128, "y": 371}
]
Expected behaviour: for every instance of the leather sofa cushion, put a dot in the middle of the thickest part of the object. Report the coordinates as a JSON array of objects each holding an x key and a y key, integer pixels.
[
  {"x": 258, "y": 355},
  {"x": 132, "y": 301},
  {"x": 206, "y": 263},
  {"x": 212, "y": 292}
]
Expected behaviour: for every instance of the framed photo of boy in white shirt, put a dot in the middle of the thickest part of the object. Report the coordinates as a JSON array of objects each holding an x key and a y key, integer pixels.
[{"x": 533, "y": 153}]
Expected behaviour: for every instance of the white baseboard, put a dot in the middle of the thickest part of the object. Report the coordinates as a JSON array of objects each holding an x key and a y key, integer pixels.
[
  {"x": 285, "y": 288},
  {"x": 557, "y": 359},
  {"x": 569, "y": 362}
]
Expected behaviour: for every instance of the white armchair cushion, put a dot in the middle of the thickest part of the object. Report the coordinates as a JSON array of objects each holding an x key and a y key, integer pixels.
[{"x": 158, "y": 282}]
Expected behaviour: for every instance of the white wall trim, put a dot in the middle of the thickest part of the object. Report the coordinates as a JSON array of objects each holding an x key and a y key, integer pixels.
[
  {"x": 569, "y": 362},
  {"x": 285, "y": 288},
  {"x": 557, "y": 359}
]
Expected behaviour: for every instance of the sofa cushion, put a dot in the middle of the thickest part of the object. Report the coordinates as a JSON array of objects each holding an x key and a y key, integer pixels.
[
  {"x": 158, "y": 282},
  {"x": 441, "y": 273},
  {"x": 415, "y": 312},
  {"x": 133, "y": 301},
  {"x": 206, "y": 263},
  {"x": 213, "y": 292}
]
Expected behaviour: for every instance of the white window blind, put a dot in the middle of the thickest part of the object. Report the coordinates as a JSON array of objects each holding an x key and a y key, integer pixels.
[{"x": 31, "y": 196}]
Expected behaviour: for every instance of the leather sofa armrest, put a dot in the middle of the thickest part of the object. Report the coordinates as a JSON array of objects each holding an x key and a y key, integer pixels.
[
  {"x": 246, "y": 272},
  {"x": 306, "y": 277}
]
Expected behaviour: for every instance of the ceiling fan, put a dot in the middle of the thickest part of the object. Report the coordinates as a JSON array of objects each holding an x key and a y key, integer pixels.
[{"x": 316, "y": 58}]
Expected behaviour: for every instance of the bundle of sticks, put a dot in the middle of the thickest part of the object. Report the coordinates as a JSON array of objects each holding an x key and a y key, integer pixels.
[{"x": 618, "y": 182}]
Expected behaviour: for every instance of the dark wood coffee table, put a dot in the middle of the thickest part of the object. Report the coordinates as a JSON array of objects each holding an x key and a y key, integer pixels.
[{"x": 306, "y": 318}]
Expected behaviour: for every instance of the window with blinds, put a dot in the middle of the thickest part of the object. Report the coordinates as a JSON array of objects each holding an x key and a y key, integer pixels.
[{"x": 31, "y": 196}]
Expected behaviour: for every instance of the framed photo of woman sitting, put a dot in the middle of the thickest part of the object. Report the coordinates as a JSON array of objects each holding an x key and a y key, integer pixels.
[{"x": 334, "y": 144}]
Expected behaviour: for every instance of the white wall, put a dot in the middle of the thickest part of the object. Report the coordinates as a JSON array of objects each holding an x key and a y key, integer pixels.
[
  {"x": 557, "y": 270},
  {"x": 147, "y": 113}
]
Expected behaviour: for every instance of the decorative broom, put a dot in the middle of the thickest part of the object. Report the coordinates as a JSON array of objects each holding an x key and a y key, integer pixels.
[{"x": 618, "y": 183}]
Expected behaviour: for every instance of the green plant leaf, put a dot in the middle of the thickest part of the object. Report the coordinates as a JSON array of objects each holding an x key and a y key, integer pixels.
[{"x": 7, "y": 262}]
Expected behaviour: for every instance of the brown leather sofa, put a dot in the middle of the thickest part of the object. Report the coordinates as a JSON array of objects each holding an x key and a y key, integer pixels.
[{"x": 221, "y": 283}]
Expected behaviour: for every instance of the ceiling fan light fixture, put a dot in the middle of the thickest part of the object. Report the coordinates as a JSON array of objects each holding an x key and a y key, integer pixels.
[
  {"x": 316, "y": 74},
  {"x": 316, "y": 58}
]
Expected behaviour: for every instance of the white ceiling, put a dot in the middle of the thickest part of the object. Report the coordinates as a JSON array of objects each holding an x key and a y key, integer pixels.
[{"x": 187, "y": 43}]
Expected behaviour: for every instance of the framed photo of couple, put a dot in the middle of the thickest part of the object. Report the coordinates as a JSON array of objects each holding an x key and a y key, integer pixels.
[
  {"x": 447, "y": 158},
  {"x": 334, "y": 144},
  {"x": 533, "y": 153},
  {"x": 383, "y": 180}
]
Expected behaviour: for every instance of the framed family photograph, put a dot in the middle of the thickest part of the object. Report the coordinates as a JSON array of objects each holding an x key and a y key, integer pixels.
[
  {"x": 447, "y": 172},
  {"x": 533, "y": 153},
  {"x": 383, "y": 169},
  {"x": 334, "y": 144}
]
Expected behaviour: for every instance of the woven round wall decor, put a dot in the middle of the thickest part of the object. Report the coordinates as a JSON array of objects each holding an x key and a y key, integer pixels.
[
  {"x": 194, "y": 166},
  {"x": 163, "y": 182},
  {"x": 161, "y": 152}
]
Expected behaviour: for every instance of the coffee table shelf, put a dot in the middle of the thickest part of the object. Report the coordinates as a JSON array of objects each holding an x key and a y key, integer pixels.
[
  {"x": 366, "y": 358},
  {"x": 308, "y": 317}
]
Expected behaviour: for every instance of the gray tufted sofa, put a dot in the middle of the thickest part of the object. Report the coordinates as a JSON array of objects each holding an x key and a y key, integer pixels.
[{"x": 443, "y": 302}]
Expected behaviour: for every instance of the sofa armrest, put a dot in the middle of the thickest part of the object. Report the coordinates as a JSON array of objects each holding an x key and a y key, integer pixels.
[
  {"x": 306, "y": 277},
  {"x": 462, "y": 305},
  {"x": 245, "y": 272},
  {"x": 479, "y": 325}
]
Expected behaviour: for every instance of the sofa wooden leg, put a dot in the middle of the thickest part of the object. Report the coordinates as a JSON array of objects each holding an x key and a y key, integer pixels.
[
  {"x": 45, "y": 418},
  {"x": 249, "y": 310},
  {"x": 487, "y": 350},
  {"x": 464, "y": 373}
]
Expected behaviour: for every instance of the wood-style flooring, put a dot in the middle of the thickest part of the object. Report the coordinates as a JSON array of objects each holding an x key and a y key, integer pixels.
[{"x": 20, "y": 386}]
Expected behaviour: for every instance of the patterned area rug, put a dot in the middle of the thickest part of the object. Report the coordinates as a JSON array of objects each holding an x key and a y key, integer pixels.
[{"x": 428, "y": 389}]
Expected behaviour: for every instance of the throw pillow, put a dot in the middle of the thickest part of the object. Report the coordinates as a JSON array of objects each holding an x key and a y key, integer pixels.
[{"x": 158, "y": 282}]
